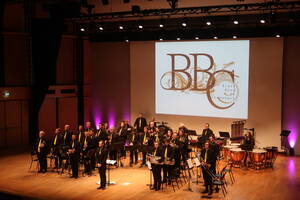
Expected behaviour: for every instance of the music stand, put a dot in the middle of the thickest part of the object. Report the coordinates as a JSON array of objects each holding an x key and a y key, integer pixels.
[
  {"x": 285, "y": 133},
  {"x": 191, "y": 132},
  {"x": 224, "y": 134}
]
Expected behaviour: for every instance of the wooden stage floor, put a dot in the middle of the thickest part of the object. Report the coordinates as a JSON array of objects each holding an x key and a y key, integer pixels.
[{"x": 282, "y": 183}]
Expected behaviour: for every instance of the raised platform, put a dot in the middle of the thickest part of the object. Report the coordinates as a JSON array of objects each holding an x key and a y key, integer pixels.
[{"x": 282, "y": 182}]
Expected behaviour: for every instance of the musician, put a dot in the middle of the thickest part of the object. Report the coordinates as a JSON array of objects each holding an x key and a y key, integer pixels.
[
  {"x": 175, "y": 144},
  {"x": 168, "y": 161},
  {"x": 66, "y": 136},
  {"x": 122, "y": 136},
  {"x": 144, "y": 138},
  {"x": 87, "y": 145},
  {"x": 140, "y": 123},
  {"x": 102, "y": 133},
  {"x": 207, "y": 157},
  {"x": 152, "y": 127},
  {"x": 101, "y": 155},
  {"x": 183, "y": 128},
  {"x": 152, "y": 121},
  {"x": 214, "y": 147},
  {"x": 114, "y": 140},
  {"x": 74, "y": 152},
  {"x": 133, "y": 143},
  {"x": 93, "y": 146},
  {"x": 157, "y": 153},
  {"x": 80, "y": 134},
  {"x": 206, "y": 133},
  {"x": 169, "y": 134},
  {"x": 88, "y": 126},
  {"x": 247, "y": 145},
  {"x": 183, "y": 145},
  {"x": 56, "y": 148},
  {"x": 42, "y": 151}
]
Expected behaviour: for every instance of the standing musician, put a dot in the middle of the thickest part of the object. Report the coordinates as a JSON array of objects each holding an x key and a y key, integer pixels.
[
  {"x": 80, "y": 134},
  {"x": 168, "y": 166},
  {"x": 206, "y": 133},
  {"x": 113, "y": 142},
  {"x": 88, "y": 126},
  {"x": 144, "y": 139},
  {"x": 175, "y": 144},
  {"x": 183, "y": 145},
  {"x": 133, "y": 143},
  {"x": 93, "y": 146},
  {"x": 74, "y": 152},
  {"x": 56, "y": 148},
  {"x": 140, "y": 123},
  {"x": 66, "y": 136},
  {"x": 156, "y": 164},
  {"x": 247, "y": 145},
  {"x": 216, "y": 151},
  {"x": 101, "y": 155},
  {"x": 102, "y": 133},
  {"x": 42, "y": 151},
  {"x": 87, "y": 145},
  {"x": 122, "y": 136},
  {"x": 207, "y": 162}
]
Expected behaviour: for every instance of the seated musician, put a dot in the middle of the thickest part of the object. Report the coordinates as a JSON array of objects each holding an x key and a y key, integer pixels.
[
  {"x": 207, "y": 162},
  {"x": 56, "y": 148},
  {"x": 144, "y": 139},
  {"x": 168, "y": 161},
  {"x": 156, "y": 165},
  {"x": 133, "y": 143},
  {"x": 169, "y": 134},
  {"x": 247, "y": 145},
  {"x": 206, "y": 133},
  {"x": 42, "y": 151},
  {"x": 74, "y": 152}
]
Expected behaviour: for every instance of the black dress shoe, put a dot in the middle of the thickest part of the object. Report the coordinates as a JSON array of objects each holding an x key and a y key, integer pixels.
[
  {"x": 98, "y": 188},
  {"x": 103, "y": 188},
  {"x": 210, "y": 192},
  {"x": 205, "y": 191}
]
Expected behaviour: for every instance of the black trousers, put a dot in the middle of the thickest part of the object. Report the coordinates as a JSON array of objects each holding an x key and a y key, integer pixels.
[
  {"x": 113, "y": 155},
  {"x": 133, "y": 154},
  {"x": 156, "y": 170},
  {"x": 87, "y": 164},
  {"x": 57, "y": 160},
  {"x": 43, "y": 161},
  {"x": 207, "y": 178},
  {"x": 167, "y": 170},
  {"x": 74, "y": 163},
  {"x": 102, "y": 173}
]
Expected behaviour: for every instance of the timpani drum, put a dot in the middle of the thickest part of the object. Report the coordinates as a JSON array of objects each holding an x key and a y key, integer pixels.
[
  {"x": 226, "y": 151},
  {"x": 258, "y": 157},
  {"x": 237, "y": 156}
]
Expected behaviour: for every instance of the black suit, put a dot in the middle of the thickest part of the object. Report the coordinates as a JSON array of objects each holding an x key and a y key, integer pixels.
[
  {"x": 211, "y": 161},
  {"x": 74, "y": 157},
  {"x": 168, "y": 152},
  {"x": 144, "y": 147},
  {"x": 57, "y": 140},
  {"x": 42, "y": 151},
  {"x": 66, "y": 138},
  {"x": 101, "y": 155},
  {"x": 140, "y": 123},
  {"x": 156, "y": 168},
  {"x": 133, "y": 140},
  {"x": 206, "y": 133}
]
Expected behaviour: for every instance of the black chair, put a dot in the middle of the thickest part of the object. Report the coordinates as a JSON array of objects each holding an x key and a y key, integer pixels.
[{"x": 34, "y": 158}]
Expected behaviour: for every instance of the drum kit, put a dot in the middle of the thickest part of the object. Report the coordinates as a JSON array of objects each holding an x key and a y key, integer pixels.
[{"x": 260, "y": 158}]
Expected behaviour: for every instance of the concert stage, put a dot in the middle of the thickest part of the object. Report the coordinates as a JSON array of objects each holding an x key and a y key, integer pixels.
[{"x": 282, "y": 182}]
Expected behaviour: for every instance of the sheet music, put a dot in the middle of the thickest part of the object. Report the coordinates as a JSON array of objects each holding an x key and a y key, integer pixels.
[
  {"x": 190, "y": 164},
  {"x": 197, "y": 162},
  {"x": 148, "y": 165}
]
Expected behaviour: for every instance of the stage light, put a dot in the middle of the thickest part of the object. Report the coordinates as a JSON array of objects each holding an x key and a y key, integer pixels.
[
  {"x": 215, "y": 37},
  {"x": 208, "y": 23},
  {"x": 262, "y": 21},
  {"x": 101, "y": 28},
  {"x": 126, "y": 40},
  {"x": 178, "y": 38},
  {"x": 140, "y": 27},
  {"x": 183, "y": 24},
  {"x": 196, "y": 38},
  {"x": 161, "y": 39},
  {"x": 236, "y": 22},
  {"x": 234, "y": 37},
  {"x": 161, "y": 25},
  {"x": 126, "y": 183},
  {"x": 121, "y": 27},
  {"x": 278, "y": 36},
  {"x": 82, "y": 29},
  {"x": 5, "y": 94}
]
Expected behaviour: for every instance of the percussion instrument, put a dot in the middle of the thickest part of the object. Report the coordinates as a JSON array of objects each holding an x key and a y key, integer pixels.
[
  {"x": 258, "y": 157},
  {"x": 237, "y": 156},
  {"x": 271, "y": 155},
  {"x": 226, "y": 150}
]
